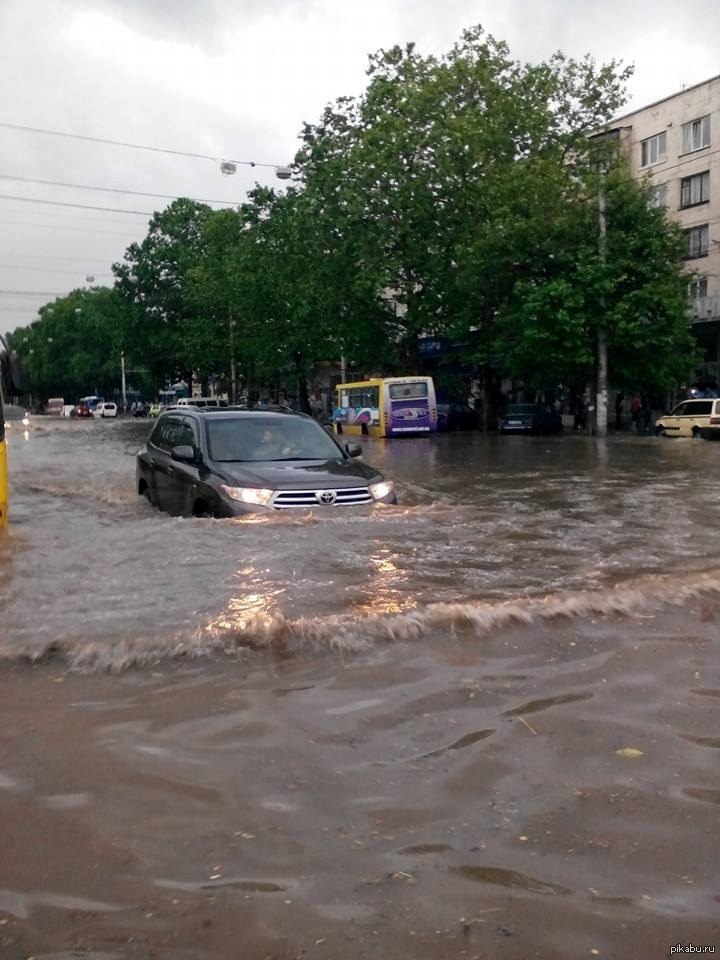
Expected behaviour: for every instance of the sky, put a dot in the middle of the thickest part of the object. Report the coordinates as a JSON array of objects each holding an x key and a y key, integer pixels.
[{"x": 235, "y": 79}]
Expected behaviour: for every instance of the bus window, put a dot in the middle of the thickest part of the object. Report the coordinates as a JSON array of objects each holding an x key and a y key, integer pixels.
[{"x": 408, "y": 391}]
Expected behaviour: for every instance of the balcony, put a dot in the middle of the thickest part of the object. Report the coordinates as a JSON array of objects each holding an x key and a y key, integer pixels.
[{"x": 704, "y": 308}]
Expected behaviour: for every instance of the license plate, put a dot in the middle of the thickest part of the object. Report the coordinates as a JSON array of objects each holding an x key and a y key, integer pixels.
[{"x": 515, "y": 423}]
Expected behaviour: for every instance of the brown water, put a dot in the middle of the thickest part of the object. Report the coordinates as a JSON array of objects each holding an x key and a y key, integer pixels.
[{"x": 391, "y": 735}]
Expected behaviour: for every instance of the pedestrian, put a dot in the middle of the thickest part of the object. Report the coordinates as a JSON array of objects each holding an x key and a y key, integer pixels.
[
  {"x": 646, "y": 414},
  {"x": 619, "y": 403},
  {"x": 316, "y": 403},
  {"x": 580, "y": 415},
  {"x": 635, "y": 408}
]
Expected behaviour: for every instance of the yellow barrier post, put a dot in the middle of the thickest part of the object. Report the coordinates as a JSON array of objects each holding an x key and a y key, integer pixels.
[{"x": 3, "y": 481}]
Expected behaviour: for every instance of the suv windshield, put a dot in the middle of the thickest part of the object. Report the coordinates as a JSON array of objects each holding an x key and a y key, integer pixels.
[{"x": 269, "y": 438}]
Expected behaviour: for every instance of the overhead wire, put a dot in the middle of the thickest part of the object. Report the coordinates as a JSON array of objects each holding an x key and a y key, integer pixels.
[
  {"x": 79, "y": 206},
  {"x": 47, "y": 256},
  {"x": 30, "y": 293},
  {"x": 133, "y": 146},
  {"x": 65, "y": 272},
  {"x": 88, "y": 231},
  {"x": 134, "y": 193}
]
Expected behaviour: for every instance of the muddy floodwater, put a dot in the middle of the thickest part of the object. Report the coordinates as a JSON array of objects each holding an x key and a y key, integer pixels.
[{"x": 484, "y": 723}]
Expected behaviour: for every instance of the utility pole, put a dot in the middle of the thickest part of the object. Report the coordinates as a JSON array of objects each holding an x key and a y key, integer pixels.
[
  {"x": 601, "y": 400},
  {"x": 233, "y": 368},
  {"x": 122, "y": 370}
]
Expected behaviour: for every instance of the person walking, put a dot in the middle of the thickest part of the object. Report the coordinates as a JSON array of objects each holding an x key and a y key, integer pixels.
[
  {"x": 635, "y": 408},
  {"x": 619, "y": 404},
  {"x": 646, "y": 414}
]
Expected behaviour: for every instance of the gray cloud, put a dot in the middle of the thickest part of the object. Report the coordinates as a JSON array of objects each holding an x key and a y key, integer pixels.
[
  {"x": 234, "y": 78},
  {"x": 203, "y": 22}
]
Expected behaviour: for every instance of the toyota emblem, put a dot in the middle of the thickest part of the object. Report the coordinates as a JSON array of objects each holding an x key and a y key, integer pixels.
[{"x": 327, "y": 497}]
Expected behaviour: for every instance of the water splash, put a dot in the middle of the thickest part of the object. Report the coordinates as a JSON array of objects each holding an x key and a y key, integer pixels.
[{"x": 229, "y": 632}]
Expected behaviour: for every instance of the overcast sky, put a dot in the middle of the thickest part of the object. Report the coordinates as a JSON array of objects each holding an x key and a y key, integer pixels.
[{"x": 236, "y": 79}]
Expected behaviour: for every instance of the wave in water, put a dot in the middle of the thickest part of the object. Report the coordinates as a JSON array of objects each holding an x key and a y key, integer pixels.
[{"x": 230, "y": 632}]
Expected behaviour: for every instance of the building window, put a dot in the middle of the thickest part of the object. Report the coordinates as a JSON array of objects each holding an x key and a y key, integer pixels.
[
  {"x": 696, "y": 134},
  {"x": 695, "y": 189},
  {"x": 653, "y": 150},
  {"x": 698, "y": 242},
  {"x": 697, "y": 288},
  {"x": 658, "y": 195}
]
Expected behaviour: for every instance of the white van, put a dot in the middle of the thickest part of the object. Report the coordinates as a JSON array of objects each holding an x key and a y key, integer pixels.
[
  {"x": 200, "y": 402},
  {"x": 689, "y": 418}
]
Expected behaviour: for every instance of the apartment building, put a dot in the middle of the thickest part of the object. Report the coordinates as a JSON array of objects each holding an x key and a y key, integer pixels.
[{"x": 675, "y": 142}]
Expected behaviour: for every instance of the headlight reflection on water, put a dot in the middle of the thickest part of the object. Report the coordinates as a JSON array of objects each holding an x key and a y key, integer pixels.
[{"x": 384, "y": 592}]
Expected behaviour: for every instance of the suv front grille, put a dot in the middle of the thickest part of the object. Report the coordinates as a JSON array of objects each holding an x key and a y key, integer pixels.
[{"x": 349, "y": 496}]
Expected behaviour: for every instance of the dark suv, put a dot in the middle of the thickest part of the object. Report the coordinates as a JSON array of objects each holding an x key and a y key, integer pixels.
[{"x": 226, "y": 462}]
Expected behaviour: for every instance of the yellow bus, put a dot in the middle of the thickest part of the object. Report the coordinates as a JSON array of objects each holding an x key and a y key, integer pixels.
[{"x": 386, "y": 407}]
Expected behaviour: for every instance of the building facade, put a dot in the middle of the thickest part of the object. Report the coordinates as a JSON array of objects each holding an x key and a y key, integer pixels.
[{"x": 675, "y": 143}]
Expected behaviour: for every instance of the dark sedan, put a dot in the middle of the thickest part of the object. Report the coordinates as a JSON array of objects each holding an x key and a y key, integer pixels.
[
  {"x": 530, "y": 418},
  {"x": 225, "y": 462},
  {"x": 456, "y": 416}
]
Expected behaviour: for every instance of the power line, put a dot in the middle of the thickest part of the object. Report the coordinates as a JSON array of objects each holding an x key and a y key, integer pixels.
[
  {"x": 134, "y": 193},
  {"x": 80, "y": 206},
  {"x": 50, "y": 256},
  {"x": 44, "y": 225},
  {"x": 30, "y": 293},
  {"x": 65, "y": 272},
  {"x": 133, "y": 146}
]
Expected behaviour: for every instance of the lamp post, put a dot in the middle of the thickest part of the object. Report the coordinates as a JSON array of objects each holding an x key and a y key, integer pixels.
[
  {"x": 233, "y": 367},
  {"x": 601, "y": 413},
  {"x": 122, "y": 372}
]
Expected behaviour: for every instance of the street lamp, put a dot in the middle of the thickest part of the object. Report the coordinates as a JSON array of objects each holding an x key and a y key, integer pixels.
[{"x": 229, "y": 167}]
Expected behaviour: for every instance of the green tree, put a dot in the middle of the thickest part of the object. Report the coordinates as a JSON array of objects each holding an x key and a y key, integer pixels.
[
  {"x": 165, "y": 327},
  {"x": 435, "y": 184},
  {"x": 74, "y": 346},
  {"x": 547, "y": 331}
]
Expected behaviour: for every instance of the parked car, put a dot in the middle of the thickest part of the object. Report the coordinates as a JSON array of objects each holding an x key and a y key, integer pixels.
[
  {"x": 691, "y": 418},
  {"x": 83, "y": 409},
  {"x": 530, "y": 418},
  {"x": 106, "y": 409},
  {"x": 456, "y": 416},
  {"x": 217, "y": 462}
]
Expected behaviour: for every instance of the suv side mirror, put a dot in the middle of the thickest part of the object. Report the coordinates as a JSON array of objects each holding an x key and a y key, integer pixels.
[
  {"x": 184, "y": 453},
  {"x": 353, "y": 449}
]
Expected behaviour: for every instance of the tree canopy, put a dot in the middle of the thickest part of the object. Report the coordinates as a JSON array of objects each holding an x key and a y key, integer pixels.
[{"x": 455, "y": 197}]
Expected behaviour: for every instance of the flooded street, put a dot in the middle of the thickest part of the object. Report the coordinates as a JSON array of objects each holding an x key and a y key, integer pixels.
[{"x": 482, "y": 723}]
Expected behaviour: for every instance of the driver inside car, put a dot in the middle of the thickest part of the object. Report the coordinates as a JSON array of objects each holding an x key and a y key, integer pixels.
[{"x": 274, "y": 445}]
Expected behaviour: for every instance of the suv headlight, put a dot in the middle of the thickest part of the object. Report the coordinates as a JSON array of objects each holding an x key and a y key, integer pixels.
[
  {"x": 260, "y": 497},
  {"x": 382, "y": 489}
]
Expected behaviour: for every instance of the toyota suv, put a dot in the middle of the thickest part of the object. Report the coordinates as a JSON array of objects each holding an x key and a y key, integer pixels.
[{"x": 225, "y": 462}]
